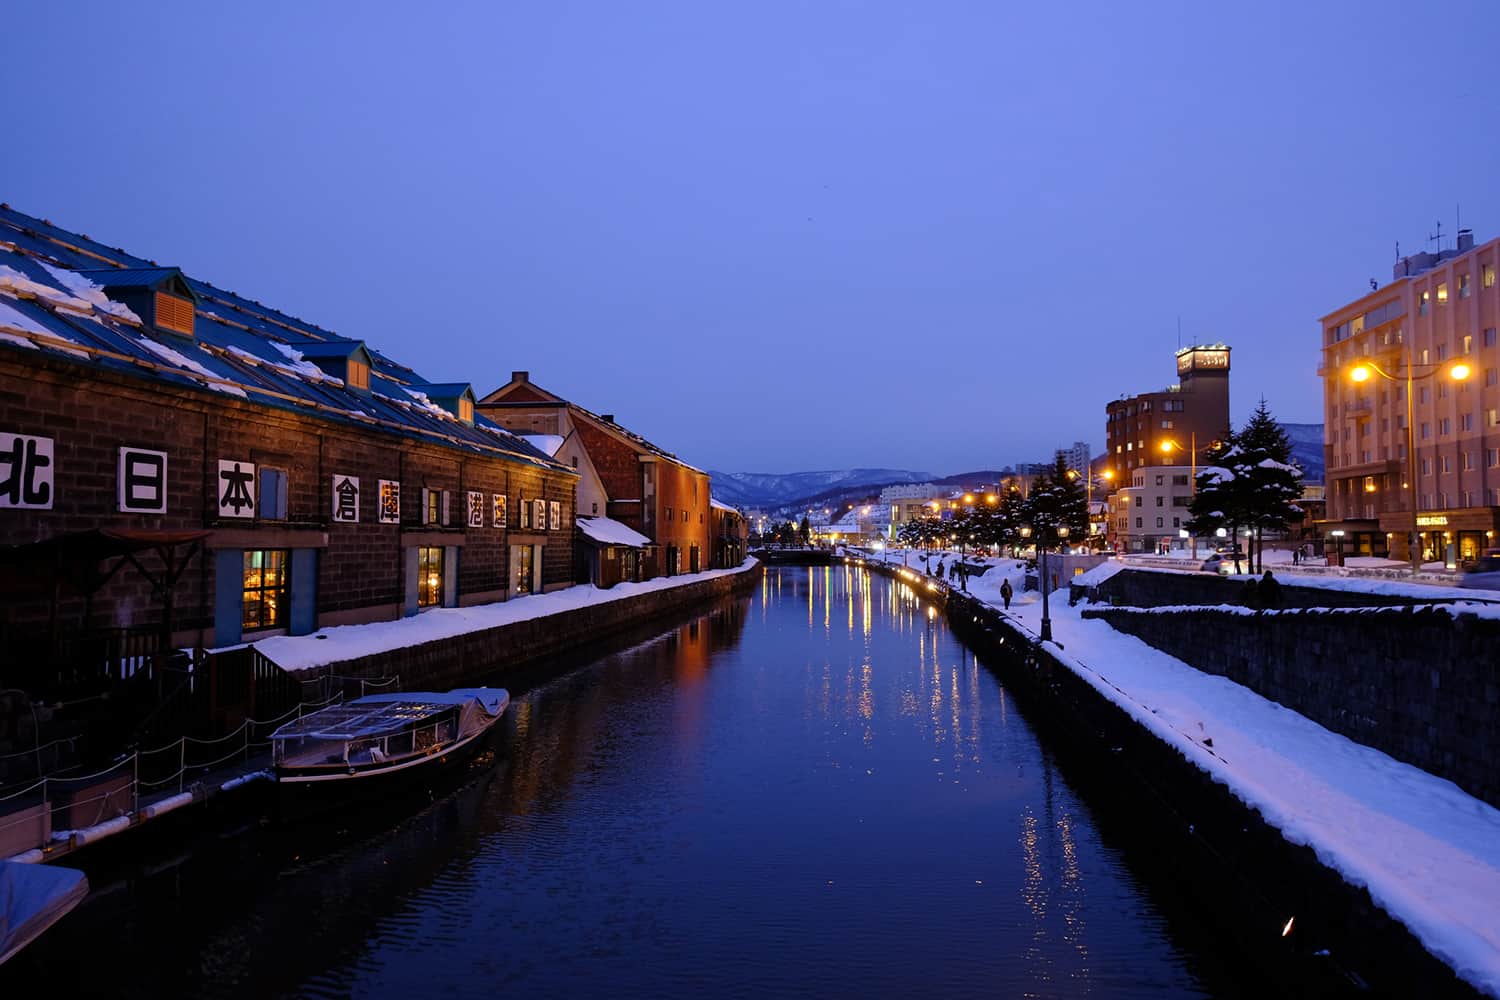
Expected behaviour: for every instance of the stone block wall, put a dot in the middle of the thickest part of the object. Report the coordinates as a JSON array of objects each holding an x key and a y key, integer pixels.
[
  {"x": 1144, "y": 588},
  {"x": 1421, "y": 684}
]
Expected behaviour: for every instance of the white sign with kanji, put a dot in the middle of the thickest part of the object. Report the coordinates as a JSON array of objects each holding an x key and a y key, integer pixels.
[
  {"x": 142, "y": 481},
  {"x": 497, "y": 510},
  {"x": 476, "y": 510},
  {"x": 26, "y": 470},
  {"x": 236, "y": 489},
  {"x": 390, "y": 502},
  {"x": 346, "y": 499}
]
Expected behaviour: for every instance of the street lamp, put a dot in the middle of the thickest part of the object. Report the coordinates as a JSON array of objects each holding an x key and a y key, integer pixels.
[
  {"x": 1361, "y": 373},
  {"x": 1167, "y": 446},
  {"x": 1041, "y": 544}
]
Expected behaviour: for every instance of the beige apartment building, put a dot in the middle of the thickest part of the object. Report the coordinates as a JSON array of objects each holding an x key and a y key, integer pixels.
[
  {"x": 1151, "y": 513},
  {"x": 1435, "y": 322}
]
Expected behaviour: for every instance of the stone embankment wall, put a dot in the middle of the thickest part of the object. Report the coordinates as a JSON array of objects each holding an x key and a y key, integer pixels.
[
  {"x": 1138, "y": 588},
  {"x": 457, "y": 660},
  {"x": 1421, "y": 684}
]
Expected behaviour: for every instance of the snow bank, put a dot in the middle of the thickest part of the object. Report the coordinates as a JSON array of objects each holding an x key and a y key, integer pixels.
[
  {"x": 1428, "y": 853},
  {"x": 348, "y": 642}
]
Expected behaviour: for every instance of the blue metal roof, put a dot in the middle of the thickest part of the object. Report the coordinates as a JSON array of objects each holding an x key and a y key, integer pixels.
[{"x": 241, "y": 348}]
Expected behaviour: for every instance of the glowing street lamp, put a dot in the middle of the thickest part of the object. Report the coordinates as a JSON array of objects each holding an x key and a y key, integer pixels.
[
  {"x": 1458, "y": 371},
  {"x": 1167, "y": 446}
]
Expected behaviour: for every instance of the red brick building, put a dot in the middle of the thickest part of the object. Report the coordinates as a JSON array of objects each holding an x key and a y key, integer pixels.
[
  {"x": 178, "y": 459},
  {"x": 622, "y": 475}
]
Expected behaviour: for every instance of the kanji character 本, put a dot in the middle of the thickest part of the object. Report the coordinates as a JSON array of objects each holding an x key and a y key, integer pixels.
[{"x": 237, "y": 498}]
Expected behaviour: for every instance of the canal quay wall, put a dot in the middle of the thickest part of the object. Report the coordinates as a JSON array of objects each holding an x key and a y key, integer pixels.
[
  {"x": 524, "y": 645},
  {"x": 1152, "y": 588},
  {"x": 1416, "y": 683},
  {"x": 1235, "y": 872}
]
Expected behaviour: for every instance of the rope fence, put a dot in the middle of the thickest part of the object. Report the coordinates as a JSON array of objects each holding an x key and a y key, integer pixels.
[{"x": 194, "y": 757}]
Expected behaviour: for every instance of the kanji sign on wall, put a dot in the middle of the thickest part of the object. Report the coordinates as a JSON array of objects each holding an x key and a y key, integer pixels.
[
  {"x": 539, "y": 518},
  {"x": 556, "y": 512},
  {"x": 346, "y": 499},
  {"x": 236, "y": 489},
  {"x": 390, "y": 502},
  {"x": 476, "y": 510},
  {"x": 26, "y": 471},
  {"x": 497, "y": 501},
  {"x": 142, "y": 481}
]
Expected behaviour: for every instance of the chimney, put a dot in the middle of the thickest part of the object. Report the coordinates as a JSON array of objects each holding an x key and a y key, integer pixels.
[
  {"x": 608, "y": 418},
  {"x": 520, "y": 376},
  {"x": 1465, "y": 240}
]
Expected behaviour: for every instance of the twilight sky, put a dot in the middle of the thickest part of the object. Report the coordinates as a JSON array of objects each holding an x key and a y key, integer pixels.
[{"x": 777, "y": 237}]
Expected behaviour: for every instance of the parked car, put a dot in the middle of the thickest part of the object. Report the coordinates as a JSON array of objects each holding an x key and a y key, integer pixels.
[
  {"x": 1483, "y": 575},
  {"x": 1223, "y": 562}
]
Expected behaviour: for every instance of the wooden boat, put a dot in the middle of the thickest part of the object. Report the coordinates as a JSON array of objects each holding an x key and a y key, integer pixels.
[{"x": 381, "y": 740}]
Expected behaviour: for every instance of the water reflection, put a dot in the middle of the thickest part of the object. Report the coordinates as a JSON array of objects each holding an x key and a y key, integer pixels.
[{"x": 813, "y": 790}]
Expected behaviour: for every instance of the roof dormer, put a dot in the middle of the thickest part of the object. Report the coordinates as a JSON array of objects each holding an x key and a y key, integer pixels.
[
  {"x": 348, "y": 360},
  {"x": 160, "y": 296},
  {"x": 455, "y": 397}
]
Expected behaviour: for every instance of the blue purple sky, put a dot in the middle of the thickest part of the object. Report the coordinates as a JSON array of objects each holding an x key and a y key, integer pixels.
[{"x": 777, "y": 237}]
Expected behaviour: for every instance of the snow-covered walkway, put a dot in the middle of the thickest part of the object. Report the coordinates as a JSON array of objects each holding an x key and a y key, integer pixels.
[
  {"x": 347, "y": 642},
  {"x": 1428, "y": 853}
]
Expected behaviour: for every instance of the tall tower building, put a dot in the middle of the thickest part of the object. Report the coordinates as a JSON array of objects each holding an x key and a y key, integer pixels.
[{"x": 1172, "y": 425}]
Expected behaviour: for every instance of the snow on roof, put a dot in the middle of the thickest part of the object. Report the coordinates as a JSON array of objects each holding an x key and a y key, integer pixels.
[
  {"x": 52, "y": 302},
  {"x": 607, "y": 531},
  {"x": 721, "y": 505},
  {"x": 547, "y": 444}
]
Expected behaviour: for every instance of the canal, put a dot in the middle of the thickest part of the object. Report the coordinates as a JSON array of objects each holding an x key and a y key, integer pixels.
[{"x": 812, "y": 790}]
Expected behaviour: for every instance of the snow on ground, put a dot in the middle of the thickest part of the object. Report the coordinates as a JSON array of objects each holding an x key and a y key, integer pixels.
[
  {"x": 347, "y": 642},
  {"x": 1428, "y": 853}
]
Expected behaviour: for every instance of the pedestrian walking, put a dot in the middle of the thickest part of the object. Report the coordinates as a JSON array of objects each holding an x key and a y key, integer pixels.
[
  {"x": 940, "y": 569},
  {"x": 1296, "y": 556},
  {"x": 1006, "y": 592}
]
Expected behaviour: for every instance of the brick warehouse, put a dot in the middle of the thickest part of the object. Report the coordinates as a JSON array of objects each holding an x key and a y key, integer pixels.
[
  {"x": 624, "y": 477},
  {"x": 179, "y": 459}
]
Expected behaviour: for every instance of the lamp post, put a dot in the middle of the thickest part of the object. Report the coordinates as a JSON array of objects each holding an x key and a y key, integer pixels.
[
  {"x": 1361, "y": 373},
  {"x": 1167, "y": 446},
  {"x": 1041, "y": 544}
]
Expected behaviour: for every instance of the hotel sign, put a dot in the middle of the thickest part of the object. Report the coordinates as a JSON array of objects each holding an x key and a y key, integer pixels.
[
  {"x": 1432, "y": 520},
  {"x": 1214, "y": 360}
]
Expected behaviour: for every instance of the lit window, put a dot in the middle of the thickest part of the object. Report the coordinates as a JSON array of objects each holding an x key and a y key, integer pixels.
[
  {"x": 429, "y": 576},
  {"x": 1442, "y": 292},
  {"x": 265, "y": 583},
  {"x": 1489, "y": 276},
  {"x": 1422, "y": 301}
]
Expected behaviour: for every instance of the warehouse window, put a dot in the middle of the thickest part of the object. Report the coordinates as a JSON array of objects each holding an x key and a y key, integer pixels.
[{"x": 266, "y": 580}]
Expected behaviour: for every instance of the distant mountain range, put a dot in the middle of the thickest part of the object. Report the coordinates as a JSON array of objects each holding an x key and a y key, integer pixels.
[
  {"x": 1307, "y": 449},
  {"x": 771, "y": 490}
]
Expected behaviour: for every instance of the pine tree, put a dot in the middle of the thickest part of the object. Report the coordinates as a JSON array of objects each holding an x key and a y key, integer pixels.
[
  {"x": 1219, "y": 492},
  {"x": 1275, "y": 482},
  {"x": 1057, "y": 500}
]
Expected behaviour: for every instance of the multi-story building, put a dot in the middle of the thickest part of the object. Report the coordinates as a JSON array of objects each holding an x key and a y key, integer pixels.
[
  {"x": 622, "y": 475},
  {"x": 185, "y": 465},
  {"x": 1436, "y": 320},
  {"x": 1164, "y": 427},
  {"x": 1077, "y": 456},
  {"x": 1150, "y": 514}
]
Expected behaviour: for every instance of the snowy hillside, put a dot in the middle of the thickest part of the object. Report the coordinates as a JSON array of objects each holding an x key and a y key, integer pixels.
[
  {"x": 764, "y": 489},
  {"x": 1307, "y": 449}
]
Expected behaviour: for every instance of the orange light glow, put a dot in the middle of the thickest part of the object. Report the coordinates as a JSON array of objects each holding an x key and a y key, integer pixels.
[
  {"x": 1361, "y": 373},
  {"x": 1460, "y": 371}
]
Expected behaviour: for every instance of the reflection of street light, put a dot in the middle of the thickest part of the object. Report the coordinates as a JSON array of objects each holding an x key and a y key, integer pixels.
[{"x": 1361, "y": 373}]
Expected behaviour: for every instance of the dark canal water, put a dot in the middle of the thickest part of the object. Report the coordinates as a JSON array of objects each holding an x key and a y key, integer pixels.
[{"x": 811, "y": 791}]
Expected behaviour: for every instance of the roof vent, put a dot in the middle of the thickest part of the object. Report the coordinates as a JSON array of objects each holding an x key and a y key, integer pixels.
[
  {"x": 161, "y": 296},
  {"x": 608, "y": 418}
]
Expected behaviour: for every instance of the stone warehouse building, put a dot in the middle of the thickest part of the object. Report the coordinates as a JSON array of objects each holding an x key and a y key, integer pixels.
[
  {"x": 623, "y": 476},
  {"x": 182, "y": 462}
]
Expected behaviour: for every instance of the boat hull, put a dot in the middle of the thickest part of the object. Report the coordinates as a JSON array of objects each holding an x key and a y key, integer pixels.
[{"x": 310, "y": 791}]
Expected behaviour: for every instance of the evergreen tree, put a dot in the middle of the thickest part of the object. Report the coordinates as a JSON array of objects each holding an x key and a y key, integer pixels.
[
  {"x": 805, "y": 530},
  {"x": 1057, "y": 500},
  {"x": 1275, "y": 482},
  {"x": 1219, "y": 492}
]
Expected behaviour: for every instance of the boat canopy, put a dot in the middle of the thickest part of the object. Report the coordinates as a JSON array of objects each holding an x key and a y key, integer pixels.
[
  {"x": 33, "y": 898},
  {"x": 379, "y": 714}
]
